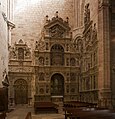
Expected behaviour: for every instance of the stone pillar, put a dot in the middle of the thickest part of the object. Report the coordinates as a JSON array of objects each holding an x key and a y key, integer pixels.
[{"x": 104, "y": 53}]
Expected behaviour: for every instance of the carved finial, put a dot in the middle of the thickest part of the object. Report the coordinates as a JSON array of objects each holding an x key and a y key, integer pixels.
[
  {"x": 67, "y": 19},
  {"x": 56, "y": 14}
]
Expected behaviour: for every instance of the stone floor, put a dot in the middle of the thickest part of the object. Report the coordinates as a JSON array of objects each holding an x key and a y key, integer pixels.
[{"x": 20, "y": 112}]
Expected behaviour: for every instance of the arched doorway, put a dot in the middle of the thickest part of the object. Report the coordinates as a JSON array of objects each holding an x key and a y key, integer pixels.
[
  {"x": 57, "y": 86},
  {"x": 21, "y": 91}
]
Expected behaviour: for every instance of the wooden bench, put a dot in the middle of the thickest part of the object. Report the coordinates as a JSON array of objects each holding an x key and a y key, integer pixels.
[
  {"x": 45, "y": 107},
  {"x": 3, "y": 99},
  {"x": 2, "y": 115},
  {"x": 28, "y": 116},
  {"x": 78, "y": 104},
  {"x": 87, "y": 113}
]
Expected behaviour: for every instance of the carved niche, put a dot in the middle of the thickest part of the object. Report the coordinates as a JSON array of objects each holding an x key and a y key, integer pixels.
[
  {"x": 41, "y": 76},
  {"x": 20, "y": 51},
  {"x": 41, "y": 61},
  {"x": 72, "y": 76},
  {"x": 78, "y": 45},
  {"x": 12, "y": 53},
  {"x": 72, "y": 62}
]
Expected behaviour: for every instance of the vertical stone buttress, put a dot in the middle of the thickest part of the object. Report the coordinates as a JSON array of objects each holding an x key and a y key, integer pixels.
[{"x": 104, "y": 53}]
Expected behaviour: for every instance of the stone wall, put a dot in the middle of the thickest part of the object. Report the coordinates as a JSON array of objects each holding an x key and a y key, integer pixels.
[
  {"x": 4, "y": 36},
  {"x": 3, "y": 40},
  {"x": 79, "y": 9},
  {"x": 99, "y": 14},
  {"x": 30, "y": 17}
]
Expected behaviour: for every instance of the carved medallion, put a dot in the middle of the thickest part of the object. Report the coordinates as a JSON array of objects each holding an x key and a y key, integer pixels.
[{"x": 57, "y": 31}]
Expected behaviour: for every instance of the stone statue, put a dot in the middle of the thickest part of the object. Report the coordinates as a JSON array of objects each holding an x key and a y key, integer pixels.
[
  {"x": 12, "y": 53},
  {"x": 94, "y": 35},
  {"x": 28, "y": 53},
  {"x": 86, "y": 15},
  {"x": 5, "y": 80}
]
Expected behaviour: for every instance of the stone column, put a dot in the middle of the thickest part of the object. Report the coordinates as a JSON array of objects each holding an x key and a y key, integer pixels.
[{"x": 104, "y": 53}]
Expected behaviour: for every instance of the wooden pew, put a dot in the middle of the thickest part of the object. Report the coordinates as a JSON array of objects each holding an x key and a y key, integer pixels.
[
  {"x": 45, "y": 107},
  {"x": 87, "y": 113},
  {"x": 28, "y": 116},
  {"x": 3, "y": 99},
  {"x": 2, "y": 115},
  {"x": 79, "y": 104}
]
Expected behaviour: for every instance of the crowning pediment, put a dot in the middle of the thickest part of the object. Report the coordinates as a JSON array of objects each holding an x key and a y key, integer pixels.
[
  {"x": 20, "y": 50},
  {"x": 57, "y": 27}
]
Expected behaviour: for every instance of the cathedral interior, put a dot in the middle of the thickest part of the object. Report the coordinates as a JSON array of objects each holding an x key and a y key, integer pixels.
[{"x": 57, "y": 51}]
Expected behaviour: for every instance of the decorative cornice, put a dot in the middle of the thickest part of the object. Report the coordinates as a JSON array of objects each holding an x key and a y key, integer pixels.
[{"x": 57, "y": 19}]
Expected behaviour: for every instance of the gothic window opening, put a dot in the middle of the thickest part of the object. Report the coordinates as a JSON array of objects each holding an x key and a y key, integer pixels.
[
  {"x": 57, "y": 55},
  {"x": 20, "y": 53}
]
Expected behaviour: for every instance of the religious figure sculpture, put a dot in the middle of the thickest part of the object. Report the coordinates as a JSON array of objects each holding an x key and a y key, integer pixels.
[
  {"x": 86, "y": 15},
  {"x": 94, "y": 35}
]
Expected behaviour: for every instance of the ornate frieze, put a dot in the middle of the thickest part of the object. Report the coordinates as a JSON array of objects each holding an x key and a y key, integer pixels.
[
  {"x": 41, "y": 76},
  {"x": 20, "y": 69},
  {"x": 57, "y": 27},
  {"x": 57, "y": 31}
]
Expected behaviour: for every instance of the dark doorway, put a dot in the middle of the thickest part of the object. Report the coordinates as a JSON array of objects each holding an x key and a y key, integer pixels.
[
  {"x": 57, "y": 85},
  {"x": 21, "y": 91}
]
